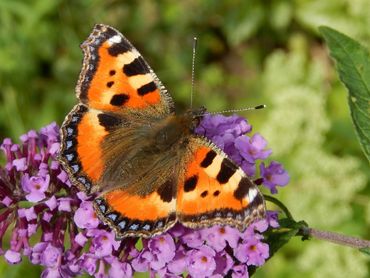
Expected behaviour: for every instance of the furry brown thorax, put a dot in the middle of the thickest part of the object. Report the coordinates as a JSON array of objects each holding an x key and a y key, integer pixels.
[{"x": 174, "y": 129}]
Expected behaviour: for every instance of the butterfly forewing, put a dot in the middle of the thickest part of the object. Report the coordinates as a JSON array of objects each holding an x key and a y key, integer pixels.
[{"x": 115, "y": 76}]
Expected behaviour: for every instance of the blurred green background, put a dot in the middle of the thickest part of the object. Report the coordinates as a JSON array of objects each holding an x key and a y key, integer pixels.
[{"x": 250, "y": 52}]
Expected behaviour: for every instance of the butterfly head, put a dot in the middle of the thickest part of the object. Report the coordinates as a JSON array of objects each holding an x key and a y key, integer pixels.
[{"x": 194, "y": 116}]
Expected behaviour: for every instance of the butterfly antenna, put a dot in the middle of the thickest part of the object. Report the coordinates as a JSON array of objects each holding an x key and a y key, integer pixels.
[
  {"x": 261, "y": 106},
  {"x": 195, "y": 40}
]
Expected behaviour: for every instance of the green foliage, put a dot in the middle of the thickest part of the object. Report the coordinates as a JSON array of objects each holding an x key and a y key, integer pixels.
[
  {"x": 18, "y": 271},
  {"x": 288, "y": 229},
  {"x": 324, "y": 184},
  {"x": 353, "y": 62},
  {"x": 249, "y": 52},
  {"x": 365, "y": 250}
]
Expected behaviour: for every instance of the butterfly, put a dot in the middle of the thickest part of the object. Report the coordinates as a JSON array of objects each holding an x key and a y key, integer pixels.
[{"x": 149, "y": 169}]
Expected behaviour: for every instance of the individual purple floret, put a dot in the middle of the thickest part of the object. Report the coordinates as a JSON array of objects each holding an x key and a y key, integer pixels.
[
  {"x": 162, "y": 249},
  {"x": 54, "y": 225},
  {"x": 252, "y": 148},
  {"x": 201, "y": 261},
  {"x": 274, "y": 175},
  {"x": 253, "y": 252},
  {"x": 219, "y": 237},
  {"x": 35, "y": 186}
]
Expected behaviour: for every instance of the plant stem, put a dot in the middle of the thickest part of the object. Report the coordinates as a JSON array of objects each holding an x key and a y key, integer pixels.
[
  {"x": 280, "y": 205},
  {"x": 338, "y": 238},
  {"x": 306, "y": 231}
]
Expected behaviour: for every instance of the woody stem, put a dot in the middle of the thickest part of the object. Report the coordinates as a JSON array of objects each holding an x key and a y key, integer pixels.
[
  {"x": 307, "y": 232},
  {"x": 337, "y": 238}
]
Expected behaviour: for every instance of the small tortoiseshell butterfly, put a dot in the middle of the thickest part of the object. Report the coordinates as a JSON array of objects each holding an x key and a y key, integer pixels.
[{"x": 124, "y": 141}]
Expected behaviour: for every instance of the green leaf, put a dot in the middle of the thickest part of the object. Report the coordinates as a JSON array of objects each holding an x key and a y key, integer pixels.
[
  {"x": 25, "y": 269},
  {"x": 289, "y": 228},
  {"x": 353, "y": 65},
  {"x": 365, "y": 250}
]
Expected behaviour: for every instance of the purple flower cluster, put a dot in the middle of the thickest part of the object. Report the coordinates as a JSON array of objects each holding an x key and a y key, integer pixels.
[
  {"x": 39, "y": 204},
  {"x": 210, "y": 252},
  {"x": 229, "y": 133}
]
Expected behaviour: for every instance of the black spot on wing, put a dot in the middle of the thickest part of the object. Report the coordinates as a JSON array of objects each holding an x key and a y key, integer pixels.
[
  {"x": 110, "y": 121},
  {"x": 216, "y": 193},
  {"x": 243, "y": 188},
  {"x": 204, "y": 194},
  {"x": 112, "y": 72},
  {"x": 228, "y": 169},
  {"x": 208, "y": 159},
  {"x": 110, "y": 84},
  {"x": 119, "y": 99},
  {"x": 119, "y": 48},
  {"x": 165, "y": 191},
  {"x": 190, "y": 183},
  {"x": 136, "y": 67},
  {"x": 147, "y": 88},
  {"x": 108, "y": 33}
]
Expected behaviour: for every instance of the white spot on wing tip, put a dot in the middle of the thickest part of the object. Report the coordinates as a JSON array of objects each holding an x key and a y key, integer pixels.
[
  {"x": 115, "y": 39},
  {"x": 252, "y": 194}
]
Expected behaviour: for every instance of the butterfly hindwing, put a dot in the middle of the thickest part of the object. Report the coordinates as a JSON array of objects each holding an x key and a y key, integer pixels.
[
  {"x": 135, "y": 215},
  {"x": 83, "y": 132},
  {"x": 214, "y": 190}
]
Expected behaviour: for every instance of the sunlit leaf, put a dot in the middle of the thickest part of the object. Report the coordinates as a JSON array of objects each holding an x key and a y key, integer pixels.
[{"x": 353, "y": 65}]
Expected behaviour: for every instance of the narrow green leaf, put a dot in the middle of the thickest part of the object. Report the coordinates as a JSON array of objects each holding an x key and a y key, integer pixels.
[{"x": 353, "y": 65}]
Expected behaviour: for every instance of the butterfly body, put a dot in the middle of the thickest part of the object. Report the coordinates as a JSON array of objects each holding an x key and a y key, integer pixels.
[{"x": 124, "y": 141}]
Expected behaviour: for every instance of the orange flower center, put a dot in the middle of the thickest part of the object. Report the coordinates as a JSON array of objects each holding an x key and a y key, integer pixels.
[{"x": 253, "y": 247}]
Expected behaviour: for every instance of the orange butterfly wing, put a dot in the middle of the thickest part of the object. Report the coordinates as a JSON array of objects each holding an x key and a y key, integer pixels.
[
  {"x": 115, "y": 81},
  {"x": 115, "y": 76},
  {"x": 210, "y": 190},
  {"x": 133, "y": 215},
  {"x": 214, "y": 190}
]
